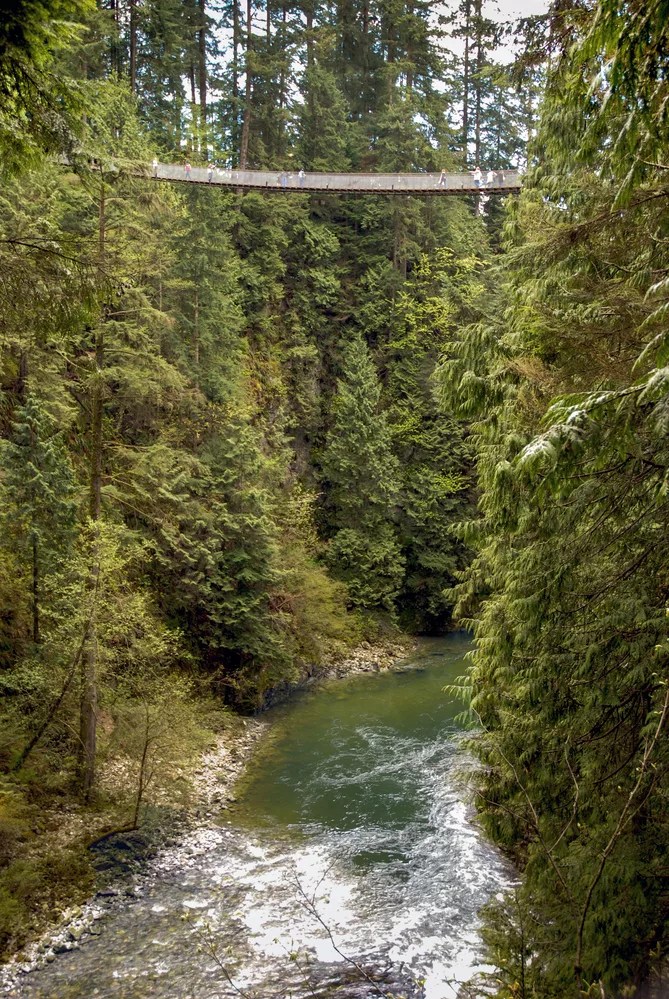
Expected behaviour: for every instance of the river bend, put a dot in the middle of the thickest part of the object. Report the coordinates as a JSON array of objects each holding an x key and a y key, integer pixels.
[{"x": 351, "y": 836}]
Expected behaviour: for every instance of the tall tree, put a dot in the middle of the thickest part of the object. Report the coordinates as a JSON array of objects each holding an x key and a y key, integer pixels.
[
  {"x": 360, "y": 476},
  {"x": 39, "y": 499},
  {"x": 248, "y": 89}
]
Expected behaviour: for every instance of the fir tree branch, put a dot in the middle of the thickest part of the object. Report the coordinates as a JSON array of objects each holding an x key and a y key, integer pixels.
[
  {"x": 624, "y": 818},
  {"x": 549, "y": 856},
  {"x": 45, "y": 249}
]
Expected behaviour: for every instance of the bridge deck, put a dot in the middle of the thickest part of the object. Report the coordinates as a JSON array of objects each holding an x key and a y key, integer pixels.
[{"x": 502, "y": 182}]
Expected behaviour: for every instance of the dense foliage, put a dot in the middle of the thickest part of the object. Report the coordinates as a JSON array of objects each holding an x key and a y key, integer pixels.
[{"x": 568, "y": 592}]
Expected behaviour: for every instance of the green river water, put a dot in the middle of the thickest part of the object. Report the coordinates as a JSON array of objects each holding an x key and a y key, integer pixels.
[{"x": 351, "y": 835}]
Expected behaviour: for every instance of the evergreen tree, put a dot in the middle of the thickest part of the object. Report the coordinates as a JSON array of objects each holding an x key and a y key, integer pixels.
[
  {"x": 322, "y": 125},
  {"x": 360, "y": 477},
  {"x": 220, "y": 575},
  {"x": 39, "y": 503},
  {"x": 433, "y": 455}
]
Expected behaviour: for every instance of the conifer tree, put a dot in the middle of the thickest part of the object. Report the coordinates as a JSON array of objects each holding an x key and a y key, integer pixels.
[
  {"x": 360, "y": 476},
  {"x": 433, "y": 455},
  {"x": 39, "y": 504},
  {"x": 322, "y": 125},
  {"x": 40, "y": 107}
]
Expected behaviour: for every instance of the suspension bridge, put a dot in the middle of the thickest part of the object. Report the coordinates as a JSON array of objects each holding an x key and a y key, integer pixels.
[{"x": 493, "y": 182}]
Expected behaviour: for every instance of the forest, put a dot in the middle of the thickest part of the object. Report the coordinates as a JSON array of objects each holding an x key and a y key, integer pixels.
[{"x": 241, "y": 434}]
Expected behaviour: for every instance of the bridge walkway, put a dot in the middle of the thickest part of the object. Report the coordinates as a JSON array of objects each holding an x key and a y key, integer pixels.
[{"x": 501, "y": 182}]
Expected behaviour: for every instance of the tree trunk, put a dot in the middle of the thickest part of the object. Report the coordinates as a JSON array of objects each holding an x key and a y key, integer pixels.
[
  {"x": 142, "y": 778},
  {"x": 88, "y": 710},
  {"x": 191, "y": 80},
  {"x": 478, "y": 83},
  {"x": 196, "y": 336},
  {"x": 465, "y": 85},
  {"x": 22, "y": 379},
  {"x": 35, "y": 592},
  {"x": 310, "y": 53},
  {"x": 310, "y": 34},
  {"x": 202, "y": 69},
  {"x": 399, "y": 254},
  {"x": 409, "y": 55},
  {"x": 133, "y": 46},
  {"x": 235, "y": 74},
  {"x": 246, "y": 126},
  {"x": 96, "y": 428},
  {"x": 529, "y": 112},
  {"x": 193, "y": 59},
  {"x": 115, "y": 45},
  {"x": 390, "y": 58},
  {"x": 89, "y": 696}
]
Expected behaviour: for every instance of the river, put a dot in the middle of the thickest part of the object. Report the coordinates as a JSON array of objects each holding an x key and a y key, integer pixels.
[{"x": 351, "y": 836}]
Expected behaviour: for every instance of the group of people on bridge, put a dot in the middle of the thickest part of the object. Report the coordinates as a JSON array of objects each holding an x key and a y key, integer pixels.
[{"x": 480, "y": 179}]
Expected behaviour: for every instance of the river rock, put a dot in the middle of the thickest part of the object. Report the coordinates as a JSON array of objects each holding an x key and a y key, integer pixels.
[{"x": 107, "y": 893}]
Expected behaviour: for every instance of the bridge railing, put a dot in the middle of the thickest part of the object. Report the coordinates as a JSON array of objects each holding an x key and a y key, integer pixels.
[{"x": 432, "y": 183}]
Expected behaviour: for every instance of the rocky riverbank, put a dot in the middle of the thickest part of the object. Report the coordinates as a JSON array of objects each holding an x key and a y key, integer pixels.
[
  {"x": 120, "y": 860},
  {"x": 370, "y": 658}
]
